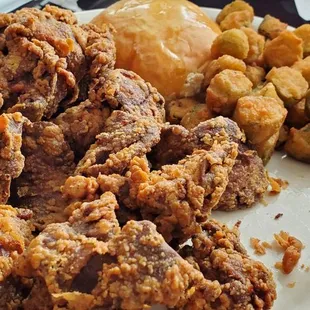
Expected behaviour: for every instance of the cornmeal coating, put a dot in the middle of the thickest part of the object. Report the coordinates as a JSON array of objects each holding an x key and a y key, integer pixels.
[
  {"x": 225, "y": 89},
  {"x": 177, "y": 197},
  {"x": 11, "y": 158},
  {"x": 284, "y": 50},
  {"x": 47, "y": 57},
  {"x": 218, "y": 254},
  {"x": 124, "y": 137},
  {"x": 290, "y": 84},
  {"x": 303, "y": 32},
  {"x": 303, "y": 66},
  {"x": 255, "y": 74},
  {"x": 127, "y": 91},
  {"x": 233, "y": 42},
  {"x": 271, "y": 27},
  {"x": 237, "y": 20},
  {"x": 81, "y": 124},
  {"x": 48, "y": 163},
  {"x": 198, "y": 114}
]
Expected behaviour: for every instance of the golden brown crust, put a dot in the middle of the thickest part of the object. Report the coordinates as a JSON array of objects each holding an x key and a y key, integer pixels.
[{"x": 271, "y": 27}]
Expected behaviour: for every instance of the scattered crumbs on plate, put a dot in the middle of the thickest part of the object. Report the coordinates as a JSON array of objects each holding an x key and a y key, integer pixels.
[
  {"x": 265, "y": 203},
  {"x": 266, "y": 245},
  {"x": 238, "y": 223},
  {"x": 277, "y": 185},
  {"x": 307, "y": 269},
  {"x": 278, "y": 265},
  {"x": 257, "y": 246},
  {"x": 278, "y": 216},
  {"x": 291, "y": 285},
  {"x": 302, "y": 266}
]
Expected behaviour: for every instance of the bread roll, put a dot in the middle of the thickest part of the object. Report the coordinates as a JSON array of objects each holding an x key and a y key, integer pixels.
[{"x": 161, "y": 40}]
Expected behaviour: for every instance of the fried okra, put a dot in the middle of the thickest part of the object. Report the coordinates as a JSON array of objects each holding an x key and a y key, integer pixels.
[
  {"x": 303, "y": 66},
  {"x": 291, "y": 86},
  {"x": 261, "y": 118},
  {"x": 256, "y": 46},
  {"x": 199, "y": 113},
  {"x": 296, "y": 116},
  {"x": 268, "y": 90},
  {"x": 303, "y": 32},
  {"x": 232, "y": 42},
  {"x": 176, "y": 109},
  {"x": 255, "y": 74},
  {"x": 225, "y": 90},
  {"x": 237, "y": 20},
  {"x": 220, "y": 64},
  {"x": 271, "y": 27},
  {"x": 235, "y": 6},
  {"x": 284, "y": 50},
  {"x": 298, "y": 143}
]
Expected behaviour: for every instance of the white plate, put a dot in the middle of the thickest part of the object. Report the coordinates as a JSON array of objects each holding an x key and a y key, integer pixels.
[{"x": 294, "y": 203}]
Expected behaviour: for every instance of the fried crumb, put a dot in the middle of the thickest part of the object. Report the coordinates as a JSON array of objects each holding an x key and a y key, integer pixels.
[
  {"x": 277, "y": 185},
  {"x": 238, "y": 223},
  {"x": 257, "y": 246},
  {"x": 266, "y": 245},
  {"x": 278, "y": 265},
  {"x": 307, "y": 269},
  {"x": 302, "y": 266},
  {"x": 291, "y": 285},
  {"x": 292, "y": 251},
  {"x": 278, "y": 216}
]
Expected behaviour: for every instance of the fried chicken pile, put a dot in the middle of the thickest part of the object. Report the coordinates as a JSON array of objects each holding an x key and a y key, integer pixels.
[{"x": 105, "y": 192}]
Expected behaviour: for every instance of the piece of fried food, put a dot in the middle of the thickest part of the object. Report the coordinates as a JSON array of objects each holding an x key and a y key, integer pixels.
[
  {"x": 256, "y": 47},
  {"x": 218, "y": 254},
  {"x": 234, "y": 6},
  {"x": 247, "y": 182},
  {"x": 178, "y": 196},
  {"x": 11, "y": 158},
  {"x": 271, "y": 27},
  {"x": 220, "y": 64},
  {"x": 303, "y": 32},
  {"x": 237, "y": 20},
  {"x": 127, "y": 91},
  {"x": 198, "y": 114},
  {"x": 15, "y": 235},
  {"x": 44, "y": 59},
  {"x": 225, "y": 89},
  {"x": 255, "y": 74},
  {"x": 176, "y": 109},
  {"x": 267, "y": 90},
  {"x": 260, "y": 118},
  {"x": 48, "y": 162},
  {"x": 303, "y": 66},
  {"x": 284, "y": 50},
  {"x": 298, "y": 143},
  {"x": 125, "y": 136},
  {"x": 233, "y": 42},
  {"x": 290, "y": 84},
  {"x": 296, "y": 116},
  {"x": 133, "y": 269},
  {"x": 81, "y": 124}
]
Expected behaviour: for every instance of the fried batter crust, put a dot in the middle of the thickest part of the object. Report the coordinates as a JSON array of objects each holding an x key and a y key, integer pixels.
[
  {"x": 49, "y": 161},
  {"x": 11, "y": 158},
  {"x": 218, "y": 254}
]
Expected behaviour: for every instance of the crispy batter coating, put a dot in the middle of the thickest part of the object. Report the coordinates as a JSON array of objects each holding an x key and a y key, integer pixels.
[
  {"x": 258, "y": 114},
  {"x": 256, "y": 46},
  {"x": 284, "y": 50},
  {"x": 126, "y": 91},
  {"x": 176, "y": 109},
  {"x": 220, "y": 64},
  {"x": 11, "y": 158},
  {"x": 247, "y": 182},
  {"x": 178, "y": 196},
  {"x": 303, "y": 66},
  {"x": 237, "y": 20},
  {"x": 296, "y": 116},
  {"x": 48, "y": 162},
  {"x": 15, "y": 235},
  {"x": 125, "y": 136},
  {"x": 233, "y": 42},
  {"x": 225, "y": 89},
  {"x": 134, "y": 262},
  {"x": 234, "y": 6},
  {"x": 303, "y": 32},
  {"x": 81, "y": 124},
  {"x": 43, "y": 59},
  {"x": 290, "y": 84},
  {"x": 271, "y": 27},
  {"x": 298, "y": 143},
  {"x": 198, "y": 114},
  {"x": 245, "y": 283},
  {"x": 255, "y": 74},
  {"x": 267, "y": 90}
]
